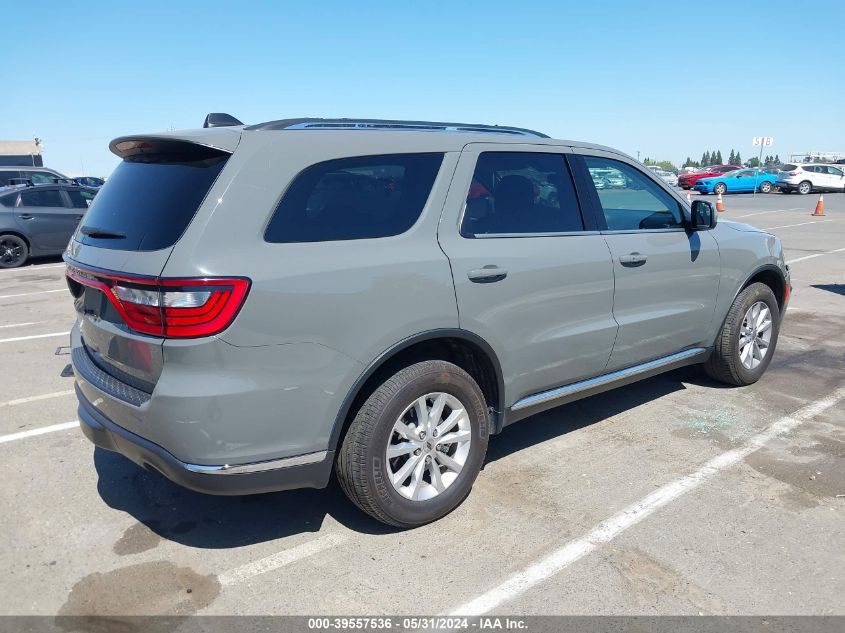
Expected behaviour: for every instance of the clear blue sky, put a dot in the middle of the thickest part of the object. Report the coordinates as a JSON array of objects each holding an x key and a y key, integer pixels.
[{"x": 669, "y": 79}]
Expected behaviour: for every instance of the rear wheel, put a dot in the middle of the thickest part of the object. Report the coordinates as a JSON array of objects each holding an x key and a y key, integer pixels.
[
  {"x": 720, "y": 188},
  {"x": 13, "y": 251},
  {"x": 765, "y": 187},
  {"x": 805, "y": 187},
  {"x": 416, "y": 445},
  {"x": 748, "y": 338}
]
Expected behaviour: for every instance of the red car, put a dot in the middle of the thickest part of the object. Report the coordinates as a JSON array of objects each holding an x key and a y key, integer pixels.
[{"x": 686, "y": 181}]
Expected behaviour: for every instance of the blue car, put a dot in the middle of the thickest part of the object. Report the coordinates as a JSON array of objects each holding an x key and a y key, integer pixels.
[{"x": 739, "y": 181}]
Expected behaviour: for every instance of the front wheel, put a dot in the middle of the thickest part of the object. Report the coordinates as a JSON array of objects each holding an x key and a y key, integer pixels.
[
  {"x": 13, "y": 251},
  {"x": 720, "y": 188},
  {"x": 747, "y": 341},
  {"x": 416, "y": 445},
  {"x": 804, "y": 188},
  {"x": 765, "y": 187}
]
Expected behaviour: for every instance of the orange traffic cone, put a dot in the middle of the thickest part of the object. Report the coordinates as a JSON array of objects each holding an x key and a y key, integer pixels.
[
  {"x": 819, "y": 207},
  {"x": 720, "y": 206}
]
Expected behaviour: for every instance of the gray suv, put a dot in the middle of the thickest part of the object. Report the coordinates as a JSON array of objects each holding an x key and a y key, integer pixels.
[{"x": 260, "y": 306}]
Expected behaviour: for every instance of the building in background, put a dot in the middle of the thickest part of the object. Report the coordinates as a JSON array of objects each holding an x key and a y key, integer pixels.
[
  {"x": 816, "y": 157},
  {"x": 21, "y": 153}
]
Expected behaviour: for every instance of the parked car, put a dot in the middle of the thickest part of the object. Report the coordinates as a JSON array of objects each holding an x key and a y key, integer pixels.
[
  {"x": 38, "y": 220},
  {"x": 805, "y": 178},
  {"x": 667, "y": 176},
  {"x": 686, "y": 181},
  {"x": 89, "y": 181},
  {"x": 241, "y": 339},
  {"x": 36, "y": 175},
  {"x": 739, "y": 181}
]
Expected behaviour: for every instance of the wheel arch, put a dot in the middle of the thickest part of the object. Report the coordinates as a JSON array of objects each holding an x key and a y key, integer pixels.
[
  {"x": 462, "y": 347},
  {"x": 770, "y": 275},
  {"x": 17, "y": 234}
]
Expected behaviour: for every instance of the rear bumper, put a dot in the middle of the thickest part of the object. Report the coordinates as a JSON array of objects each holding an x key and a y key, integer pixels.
[
  {"x": 305, "y": 471},
  {"x": 785, "y": 186}
]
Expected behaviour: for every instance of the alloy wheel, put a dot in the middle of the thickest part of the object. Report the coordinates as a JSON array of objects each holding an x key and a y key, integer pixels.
[
  {"x": 429, "y": 445},
  {"x": 11, "y": 252},
  {"x": 755, "y": 335}
]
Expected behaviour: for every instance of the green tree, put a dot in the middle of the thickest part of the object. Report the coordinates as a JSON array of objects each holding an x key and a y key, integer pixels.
[
  {"x": 777, "y": 162},
  {"x": 705, "y": 159},
  {"x": 731, "y": 158},
  {"x": 753, "y": 162},
  {"x": 737, "y": 160},
  {"x": 718, "y": 159}
]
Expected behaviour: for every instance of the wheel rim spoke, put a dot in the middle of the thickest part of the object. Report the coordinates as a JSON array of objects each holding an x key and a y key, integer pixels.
[
  {"x": 449, "y": 423},
  {"x": 402, "y": 474},
  {"x": 452, "y": 438},
  {"x": 436, "y": 479},
  {"x": 448, "y": 462},
  {"x": 755, "y": 335},
  {"x": 397, "y": 450}
]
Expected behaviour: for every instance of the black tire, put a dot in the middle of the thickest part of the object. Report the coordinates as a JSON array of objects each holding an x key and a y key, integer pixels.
[
  {"x": 13, "y": 251},
  {"x": 724, "y": 363},
  {"x": 720, "y": 188},
  {"x": 362, "y": 468},
  {"x": 765, "y": 187},
  {"x": 805, "y": 187}
]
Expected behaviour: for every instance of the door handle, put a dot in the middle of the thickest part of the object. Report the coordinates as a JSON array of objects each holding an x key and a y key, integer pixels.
[
  {"x": 632, "y": 259},
  {"x": 25, "y": 216},
  {"x": 487, "y": 275}
]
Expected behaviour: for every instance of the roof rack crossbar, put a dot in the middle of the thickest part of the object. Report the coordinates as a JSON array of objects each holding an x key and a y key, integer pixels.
[{"x": 387, "y": 124}]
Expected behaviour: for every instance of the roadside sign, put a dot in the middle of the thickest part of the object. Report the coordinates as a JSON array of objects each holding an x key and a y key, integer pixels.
[{"x": 762, "y": 141}]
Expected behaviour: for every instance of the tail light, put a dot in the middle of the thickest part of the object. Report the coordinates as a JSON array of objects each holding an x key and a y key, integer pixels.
[
  {"x": 792, "y": 173},
  {"x": 168, "y": 307}
]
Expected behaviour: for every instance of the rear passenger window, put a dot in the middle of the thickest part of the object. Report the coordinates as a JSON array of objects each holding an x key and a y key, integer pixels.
[
  {"x": 81, "y": 198},
  {"x": 631, "y": 200},
  {"x": 50, "y": 198},
  {"x": 355, "y": 198},
  {"x": 8, "y": 200},
  {"x": 519, "y": 193}
]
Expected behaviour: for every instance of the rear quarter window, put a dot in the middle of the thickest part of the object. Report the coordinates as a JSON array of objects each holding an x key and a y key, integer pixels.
[
  {"x": 150, "y": 199},
  {"x": 354, "y": 198}
]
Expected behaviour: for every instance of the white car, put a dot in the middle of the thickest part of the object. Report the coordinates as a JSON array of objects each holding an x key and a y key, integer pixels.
[
  {"x": 807, "y": 177},
  {"x": 667, "y": 176}
]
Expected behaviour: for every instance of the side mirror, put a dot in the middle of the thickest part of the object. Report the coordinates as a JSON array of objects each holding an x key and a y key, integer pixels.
[{"x": 703, "y": 216}]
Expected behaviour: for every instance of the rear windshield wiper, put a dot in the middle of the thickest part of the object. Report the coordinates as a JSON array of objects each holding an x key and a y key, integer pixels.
[{"x": 101, "y": 234}]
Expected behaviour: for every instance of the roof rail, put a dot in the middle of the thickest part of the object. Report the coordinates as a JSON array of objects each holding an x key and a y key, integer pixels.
[{"x": 387, "y": 124}]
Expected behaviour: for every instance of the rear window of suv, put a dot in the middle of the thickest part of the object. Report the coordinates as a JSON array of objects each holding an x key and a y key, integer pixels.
[
  {"x": 150, "y": 199},
  {"x": 789, "y": 167},
  {"x": 354, "y": 198}
]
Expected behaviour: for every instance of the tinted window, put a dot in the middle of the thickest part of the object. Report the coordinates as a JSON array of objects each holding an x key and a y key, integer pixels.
[
  {"x": 834, "y": 171},
  {"x": 354, "y": 198},
  {"x": 49, "y": 198},
  {"x": 152, "y": 198},
  {"x": 8, "y": 200},
  {"x": 40, "y": 177},
  {"x": 637, "y": 202},
  {"x": 521, "y": 192},
  {"x": 81, "y": 198},
  {"x": 7, "y": 175},
  {"x": 789, "y": 167}
]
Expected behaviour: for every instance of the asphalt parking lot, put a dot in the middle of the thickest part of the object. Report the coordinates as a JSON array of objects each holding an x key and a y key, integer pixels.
[{"x": 671, "y": 496}]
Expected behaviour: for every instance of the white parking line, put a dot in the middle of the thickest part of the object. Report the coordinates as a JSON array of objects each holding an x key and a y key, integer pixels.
[
  {"x": 605, "y": 532},
  {"x": 11, "y": 437},
  {"x": 27, "y": 338},
  {"x": 45, "y": 396},
  {"x": 786, "y": 226},
  {"x": 30, "y": 269},
  {"x": 29, "y": 294},
  {"x": 748, "y": 215},
  {"x": 801, "y": 259},
  {"x": 280, "y": 559},
  {"x": 21, "y": 324}
]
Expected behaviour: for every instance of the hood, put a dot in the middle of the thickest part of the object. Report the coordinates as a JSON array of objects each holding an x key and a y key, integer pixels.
[{"x": 740, "y": 226}]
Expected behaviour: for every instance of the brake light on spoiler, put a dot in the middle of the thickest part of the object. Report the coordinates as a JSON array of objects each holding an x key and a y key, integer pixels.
[{"x": 168, "y": 307}]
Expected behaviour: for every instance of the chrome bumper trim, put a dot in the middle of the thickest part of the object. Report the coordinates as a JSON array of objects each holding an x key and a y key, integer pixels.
[
  {"x": 584, "y": 385},
  {"x": 257, "y": 467}
]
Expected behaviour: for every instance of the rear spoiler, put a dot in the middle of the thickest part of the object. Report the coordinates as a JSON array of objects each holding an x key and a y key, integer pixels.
[{"x": 201, "y": 143}]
